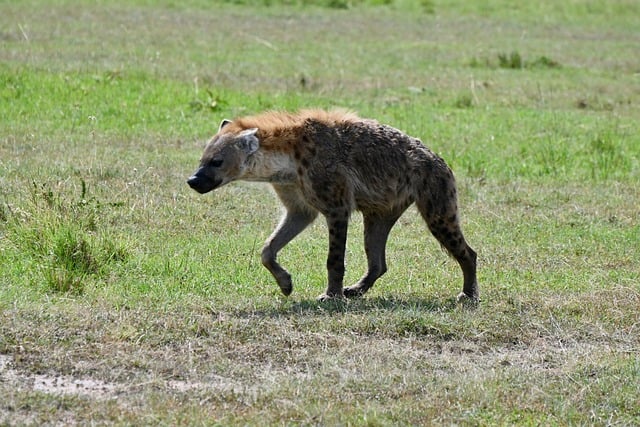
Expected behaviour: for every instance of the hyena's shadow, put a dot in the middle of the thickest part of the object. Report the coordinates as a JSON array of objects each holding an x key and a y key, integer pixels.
[
  {"x": 373, "y": 304},
  {"x": 376, "y": 303}
]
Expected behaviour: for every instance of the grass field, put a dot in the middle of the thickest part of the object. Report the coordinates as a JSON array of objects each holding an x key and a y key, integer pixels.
[{"x": 128, "y": 299}]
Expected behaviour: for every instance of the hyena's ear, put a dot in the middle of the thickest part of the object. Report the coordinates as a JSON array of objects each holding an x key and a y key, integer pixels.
[
  {"x": 248, "y": 141},
  {"x": 223, "y": 124}
]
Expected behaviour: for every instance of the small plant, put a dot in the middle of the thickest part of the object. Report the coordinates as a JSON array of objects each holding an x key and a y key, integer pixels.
[
  {"x": 428, "y": 7},
  {"x": 480, "y": 63},
  {"x": 337, "y": 4},
  {"x": 60, "y": 280},
  {"x": 607, "y": 159},
  {"x": 212, "y": 102},
  {"x": 515, "y": 61},
  {"x": 464, "y": 101},
  {"x": 4, "y": 215},
  {"x": 512, "y": 60},
  {"x": 543, "y": 62},
  {"x": 74, "y": 257}
]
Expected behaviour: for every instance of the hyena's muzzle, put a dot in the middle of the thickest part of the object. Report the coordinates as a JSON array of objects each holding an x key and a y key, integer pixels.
[{"x": 202, "y": 183}]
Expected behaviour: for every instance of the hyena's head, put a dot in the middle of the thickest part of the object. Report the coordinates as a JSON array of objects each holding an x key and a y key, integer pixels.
[{"x": 224, "y": 159}]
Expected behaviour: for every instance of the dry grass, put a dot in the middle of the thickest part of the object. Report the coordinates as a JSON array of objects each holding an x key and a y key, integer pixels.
[{"x": 394, "y": 360}]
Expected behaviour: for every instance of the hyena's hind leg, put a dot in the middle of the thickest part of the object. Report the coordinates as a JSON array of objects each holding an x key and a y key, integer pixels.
[
  {"x": 441, "y": 215},
  {"x": 376, "y": 232},
  {"x": 450, "y": 236}
]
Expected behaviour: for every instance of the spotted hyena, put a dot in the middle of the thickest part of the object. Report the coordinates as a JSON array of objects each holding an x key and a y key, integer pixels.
[{"x": 334, "y": 162}]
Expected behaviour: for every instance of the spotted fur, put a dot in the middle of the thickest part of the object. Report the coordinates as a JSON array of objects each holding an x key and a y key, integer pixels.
[{"x": 333, "y": 162}]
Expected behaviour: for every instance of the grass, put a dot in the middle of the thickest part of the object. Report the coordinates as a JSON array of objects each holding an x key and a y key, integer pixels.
[{"x": 125, "y": 298}]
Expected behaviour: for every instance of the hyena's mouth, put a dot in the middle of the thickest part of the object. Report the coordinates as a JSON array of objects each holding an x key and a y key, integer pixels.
[{"x": 203, "y": 184}]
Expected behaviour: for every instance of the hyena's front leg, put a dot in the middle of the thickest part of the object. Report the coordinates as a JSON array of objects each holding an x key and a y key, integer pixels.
[
  {"x": 290, "y": 226},
  {"x": 338, "y": 222},
  {"x": 376, "y": 232}
]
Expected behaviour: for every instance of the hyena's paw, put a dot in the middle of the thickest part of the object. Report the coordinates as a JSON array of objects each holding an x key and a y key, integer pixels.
[
  {"x": 354, "y": 291},
  {"x": 467, "y": 301},
  {"x": 330, "y": 297},
  {"x": 285, "y": 284}
]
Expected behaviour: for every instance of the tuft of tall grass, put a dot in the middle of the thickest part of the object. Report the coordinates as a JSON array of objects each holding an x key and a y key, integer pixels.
[
  {"x": 63, "y": 237},
  {"x": 514, "y": 61},
  {"x": 607, "y": 158},
  {"x": 330, "y": 4},
  {"x": 73, "y": 256}
]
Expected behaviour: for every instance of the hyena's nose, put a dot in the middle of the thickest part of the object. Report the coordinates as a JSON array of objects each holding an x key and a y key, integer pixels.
[
  {"x": 192, "y": 181},
  {"x": 198, "y": 183},
  {"x": 202, "y": 184}
]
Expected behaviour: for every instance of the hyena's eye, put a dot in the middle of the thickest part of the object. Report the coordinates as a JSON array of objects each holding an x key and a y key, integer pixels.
[{"x": 215, "y": 163}]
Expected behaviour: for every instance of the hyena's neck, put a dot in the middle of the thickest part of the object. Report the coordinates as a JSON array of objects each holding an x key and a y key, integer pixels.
[{"x": 268, "y": 166}]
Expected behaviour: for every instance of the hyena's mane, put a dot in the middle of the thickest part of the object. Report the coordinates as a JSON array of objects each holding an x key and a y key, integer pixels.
[{"x": 278, "y": 130}]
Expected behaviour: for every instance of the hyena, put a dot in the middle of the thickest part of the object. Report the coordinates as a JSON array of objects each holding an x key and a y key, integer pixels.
[{"x": 334, "y": 162}]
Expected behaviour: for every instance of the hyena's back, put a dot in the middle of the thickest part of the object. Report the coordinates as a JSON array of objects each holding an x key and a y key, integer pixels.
[{"x": 383, "y": 169}]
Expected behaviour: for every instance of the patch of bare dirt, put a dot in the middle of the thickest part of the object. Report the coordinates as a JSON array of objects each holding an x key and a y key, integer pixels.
[
  {"x": 58, "y": 384},
  {"x": 96, "y": 389}
]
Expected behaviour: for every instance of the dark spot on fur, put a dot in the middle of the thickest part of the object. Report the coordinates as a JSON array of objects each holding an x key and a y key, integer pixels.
[
  {"x": 340, "y": 225},
  {"x": 305, "y": 163},
  {"x": 334, "y": 260},
  {"x": 311, "y": 150},
  {"x": 428, "y": 206},
  {"x": 336, "y": 232}
]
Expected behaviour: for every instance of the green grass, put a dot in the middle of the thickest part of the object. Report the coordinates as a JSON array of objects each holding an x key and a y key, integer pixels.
[{"x": 148, "y": 304}]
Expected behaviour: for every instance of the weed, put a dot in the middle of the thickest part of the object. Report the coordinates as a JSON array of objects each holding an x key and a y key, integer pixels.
[
  {"x": 337, "y": 4},
  {"x": 4, "y": 213},
  {"x": 543, "y": 62},
  {"x": 607, "y": 159},
  {"x": 72, "y": 251},
  {"x": 428, "y": 6},
  {"x": 62, "y": 280},
  {"x": 479, "y": 63},
  {"x": 464, "y": 101},
  {"x": 512, "y": 61},
  {"x": 330, "y": 4},
  {"x": 212, "y": 102}
]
